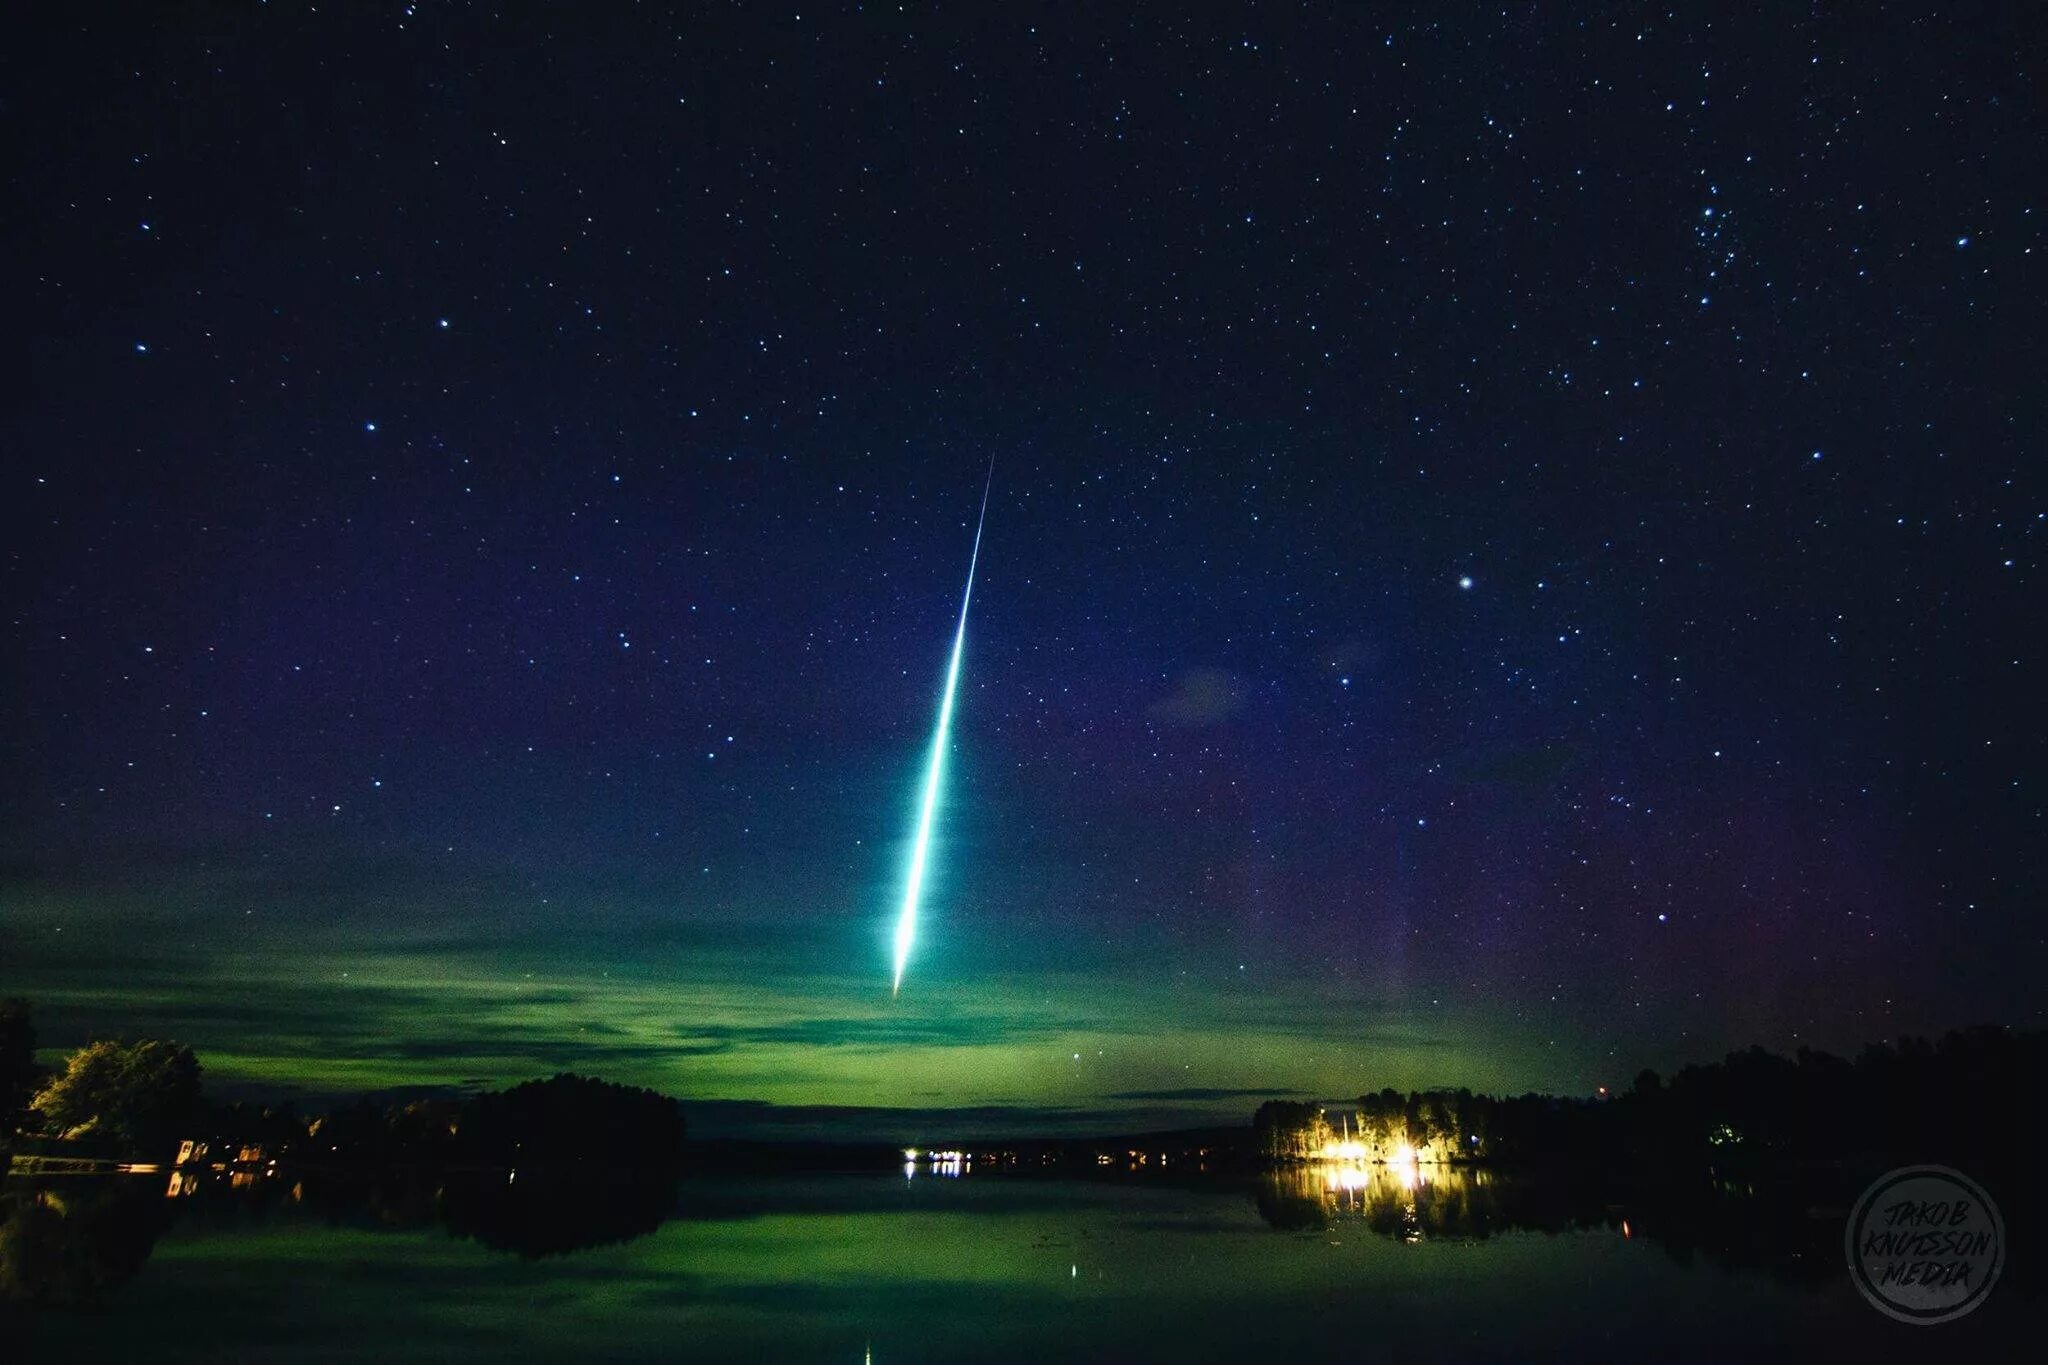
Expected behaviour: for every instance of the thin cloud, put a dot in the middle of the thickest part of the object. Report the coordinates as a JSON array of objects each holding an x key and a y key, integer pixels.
[{"x": 1204, "y": 696}]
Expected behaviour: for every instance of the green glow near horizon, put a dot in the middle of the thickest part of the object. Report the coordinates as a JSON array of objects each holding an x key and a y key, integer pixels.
[
  {"x": 771, "y": 1004},
  {"x": 1079, "y": 1049}
]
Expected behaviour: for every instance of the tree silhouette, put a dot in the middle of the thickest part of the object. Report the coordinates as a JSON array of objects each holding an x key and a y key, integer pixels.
[
  {"x": 570, "y": 1118},
  {"x": 17, "y": 1062},
  {"x": 125, "y": 1094},
  {"x": 1290, "y": 1130}
]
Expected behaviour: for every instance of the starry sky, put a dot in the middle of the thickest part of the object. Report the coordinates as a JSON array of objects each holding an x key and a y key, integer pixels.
[{"x": 1514, "y": 551}]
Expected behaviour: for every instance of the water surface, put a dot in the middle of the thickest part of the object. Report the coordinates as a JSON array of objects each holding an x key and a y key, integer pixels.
[{"x": 1304, "y": 1266}]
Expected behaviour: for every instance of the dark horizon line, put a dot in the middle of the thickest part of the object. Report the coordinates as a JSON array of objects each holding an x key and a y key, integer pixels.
[{"x": 1035, "y": 1123}]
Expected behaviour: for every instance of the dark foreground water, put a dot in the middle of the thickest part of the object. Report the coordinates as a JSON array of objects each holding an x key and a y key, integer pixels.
[{"x": 888, "y": 1269}]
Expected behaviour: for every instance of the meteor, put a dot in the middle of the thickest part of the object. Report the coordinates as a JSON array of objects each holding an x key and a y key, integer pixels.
[{"x": 906, "y": 918}]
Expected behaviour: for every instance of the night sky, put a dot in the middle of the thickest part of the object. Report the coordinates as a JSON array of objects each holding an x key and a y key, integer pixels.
[{"x": 1514, "y": 551}]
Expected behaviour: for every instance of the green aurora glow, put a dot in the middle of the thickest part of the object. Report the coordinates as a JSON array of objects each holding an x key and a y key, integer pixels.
[{"x": 793, "y": 1023}]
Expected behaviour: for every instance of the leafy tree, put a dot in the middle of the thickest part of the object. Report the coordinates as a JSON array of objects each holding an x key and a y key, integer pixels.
[
  {"x": 126, "y": 1093},
  {"x": 1414, "y": 1123},
  {"x": 1290, "y": 1130},
  {"x": 1440, "y": 1113}
]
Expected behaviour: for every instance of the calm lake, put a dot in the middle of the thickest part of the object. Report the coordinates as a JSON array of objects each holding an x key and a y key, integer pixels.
[{"x": 854, "y": 1268}]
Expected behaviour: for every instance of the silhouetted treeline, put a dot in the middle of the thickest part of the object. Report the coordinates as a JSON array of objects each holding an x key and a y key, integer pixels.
[
  {"x": 565, "y": 1120},
  {"x": 1290, "y": 1130},
  {"x": 1954, "y": 1100},
  {"x": 142, "y": 1100}
]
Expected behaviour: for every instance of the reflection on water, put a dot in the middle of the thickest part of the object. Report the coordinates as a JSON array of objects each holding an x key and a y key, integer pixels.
[
  {"x": 1448, "y": 1261},
  {"x": 73, "y": 1242},
  {"x": 1409, "y": 1201},
  {"x": 1401, "y": 1200},
  {"x": 70, "y": 1240},
  {"x": 555, "y": 1218},
  {"x": 1790, "y": 1233}
]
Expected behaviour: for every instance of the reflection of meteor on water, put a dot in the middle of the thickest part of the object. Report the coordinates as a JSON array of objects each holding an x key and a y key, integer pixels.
[{"x": 906, "y": 919}]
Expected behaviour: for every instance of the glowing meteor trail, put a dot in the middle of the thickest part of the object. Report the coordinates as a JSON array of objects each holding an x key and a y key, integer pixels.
[{"x": 906, "y": 918}]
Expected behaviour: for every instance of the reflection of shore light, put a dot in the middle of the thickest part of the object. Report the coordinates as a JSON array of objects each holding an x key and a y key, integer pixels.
[
  {"x": 1347, "y": 1178},
  {"x": 936, "y": 1162}
]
